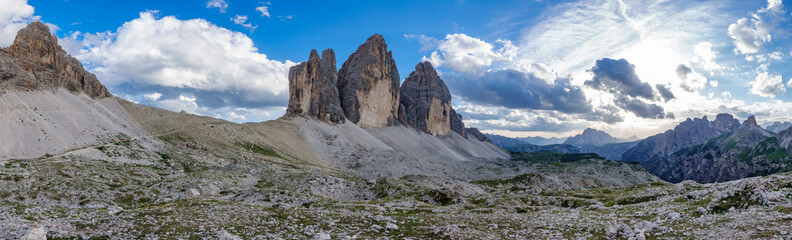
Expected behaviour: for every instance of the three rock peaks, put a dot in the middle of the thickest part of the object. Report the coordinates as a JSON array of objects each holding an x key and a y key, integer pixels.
[{"x": 366, "y": 92}]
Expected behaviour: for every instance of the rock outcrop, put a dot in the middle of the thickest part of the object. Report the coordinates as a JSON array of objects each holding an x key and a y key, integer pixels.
[
  {"x": 38, "y": 52},
  {"x": 312, "y": 88},
  {"x": 456, "y": 123},
  {"x": 474, "y": 132},
  {"x": 368, "y": 85},
  {"x": 725, "y": 122},
  {"x": 426, "y": 101}
]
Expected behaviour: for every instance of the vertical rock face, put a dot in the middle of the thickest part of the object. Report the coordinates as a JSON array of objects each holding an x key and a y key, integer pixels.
[
  {"x": 426, "y": 101},
  {"x": 751, "y": 122},
  {"x": 368, "y": 85},
  {"x": 456, "y": 123},
  {"x": 312, "y": 88},
  {"x": 725, "y": 122},
  {"x": 39, "y": 53}
]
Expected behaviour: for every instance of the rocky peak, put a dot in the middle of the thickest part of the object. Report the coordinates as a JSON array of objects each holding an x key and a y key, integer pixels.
[
  {"x": 725, "y": 122},
  {"x": 368, "y": 85},
  {"x": 312, "y": 89},
  {"x": 750, "y": 122},
  {"x": 426, "y": 101},
  {"x": 39, "y": 53},
  {"x": 591, "y": 137}
]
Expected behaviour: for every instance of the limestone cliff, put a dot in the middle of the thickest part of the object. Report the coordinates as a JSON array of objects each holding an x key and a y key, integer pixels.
[
  {"x": 426, "y": 101},
  {"x": 38, "y": 52},
  {"x": 368, "y": 85},
  {"x": 312, "y": 88}
]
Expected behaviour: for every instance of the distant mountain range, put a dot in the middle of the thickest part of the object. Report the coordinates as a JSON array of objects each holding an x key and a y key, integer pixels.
[
  {"x": 777, "y": 127},
  {"x": 589, "y": 141},
  {"x": 696, "y": 149}
]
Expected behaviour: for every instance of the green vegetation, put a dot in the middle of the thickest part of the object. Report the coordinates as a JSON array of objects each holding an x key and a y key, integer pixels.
[
  {"x": 549, "y": 157},
  {"x": 266, "y": 151}
]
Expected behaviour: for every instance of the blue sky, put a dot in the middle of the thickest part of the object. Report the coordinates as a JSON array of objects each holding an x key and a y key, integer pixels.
[{"x": 518, "y": 68}]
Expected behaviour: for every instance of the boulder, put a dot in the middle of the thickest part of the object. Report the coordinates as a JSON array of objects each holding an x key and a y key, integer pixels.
[
  {"x": 312, "y": 88},
  {"x": 39, "y": 53},
  {"x": 368, "y": 85},
  {"x": 426, "y": 101}
]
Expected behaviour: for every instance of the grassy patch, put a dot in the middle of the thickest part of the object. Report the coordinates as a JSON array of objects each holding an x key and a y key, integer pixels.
[{"x": 266, "y": 151}]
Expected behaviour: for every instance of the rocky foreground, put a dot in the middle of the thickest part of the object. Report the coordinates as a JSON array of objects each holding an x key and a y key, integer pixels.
[{"x": 183, "y": 196}]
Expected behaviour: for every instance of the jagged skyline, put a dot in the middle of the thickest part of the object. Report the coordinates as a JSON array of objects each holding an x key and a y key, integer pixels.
[{"x": 514, "y": 68}]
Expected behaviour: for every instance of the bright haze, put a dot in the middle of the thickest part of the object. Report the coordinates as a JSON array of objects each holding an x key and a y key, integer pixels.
[{"x": 516, "y": 68}]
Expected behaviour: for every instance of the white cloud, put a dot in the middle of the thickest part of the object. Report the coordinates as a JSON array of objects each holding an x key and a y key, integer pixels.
[
  {"x": 242, "y": 20},
  {"x": 705, "y": 57},
  {"x": 789, "y": 83},
  {"x": 427, "y": 43},
  {"x": 14, "y": 15},
  {"x": 713, "y": 83},
  {"x": 767, "y": 85},
  {"x": 193, "y": 55},
  {"x": 750, "y": 34},
  {"x": 778, "y": 56},
  {"x": 462, "y": 53},
  {"x": 153, "y": 96},
  {"x": 221, "y": 5},
  {"x": 264, "y": 10}
]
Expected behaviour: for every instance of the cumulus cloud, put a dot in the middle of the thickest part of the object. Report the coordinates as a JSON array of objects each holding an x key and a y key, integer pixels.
[
  {"x": 750, "y": 34},
  {"x": 778, "y": 56},
  {"x": 153, "y": 96},
  {"x": 618, "y": 77},
  {"x": 193, "y": 58},
  {"x": 665, "y": 93},
  {"x": 14, "y": 15},
  {"x": 705, "y": 57},
  {"x": 242, "y": 21},
  {"x": 691, "y": 80},
  {"x": 767, "y": 85},
  {"x": 221, "y": 5},
  {"x": 466, "y": 54},
  {"x": 518, "y": 90}
]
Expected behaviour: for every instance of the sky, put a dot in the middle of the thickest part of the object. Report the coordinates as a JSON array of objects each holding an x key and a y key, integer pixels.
[{"x": 517, "y": 68}]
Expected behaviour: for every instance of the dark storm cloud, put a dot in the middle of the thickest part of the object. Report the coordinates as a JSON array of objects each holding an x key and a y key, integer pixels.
[
  {"x": 666, "y": 94},
  {"x": 618, "y": 77},
  {"x": 642, "y": 109},
  {"x": 518, "y": 90}
]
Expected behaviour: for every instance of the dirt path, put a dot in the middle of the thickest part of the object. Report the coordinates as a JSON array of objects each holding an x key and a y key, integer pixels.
[{"x": 122, "y": 140}]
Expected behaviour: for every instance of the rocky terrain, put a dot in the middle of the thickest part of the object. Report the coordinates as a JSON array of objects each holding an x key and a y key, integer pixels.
[
  {"x": 687, "y": 133},
  {"x": 343, "y": 163},
  {"x": 748, "y": 151}
]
